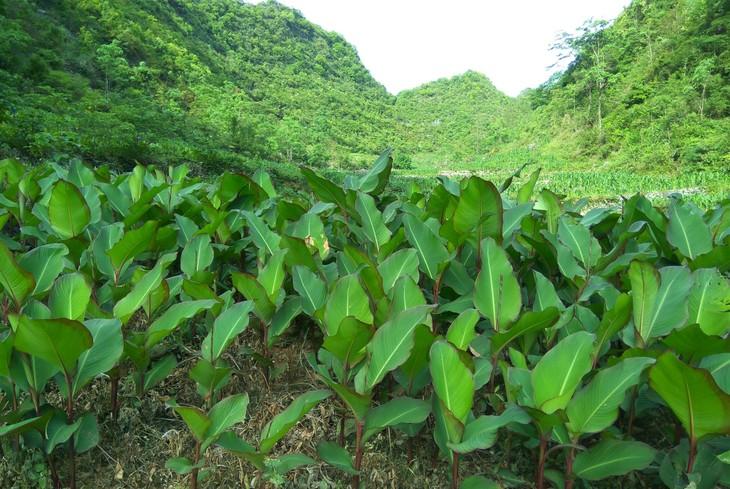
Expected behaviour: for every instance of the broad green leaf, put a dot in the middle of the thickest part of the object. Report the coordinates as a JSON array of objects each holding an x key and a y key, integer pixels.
[
  {"x": 45, "y": 263},
  {"x": 171, "y": 319},
  {"x": 481, "y": 433},
  {"x": 311, "y": 288},
  {"x": 348, "y": 345},
  {"x": 392, "y": 343},
  {"x": 376, "y": 178},
  {"x": 186, "y": 229},
  {"x": 253, "y": 291},
  {"x": 198, "y": 422},
  {"x": 16, "y": 282},
  {"x": 545, "y": 293},
  {"x": 197, "y": 255},
  {"x": 86, "y": 436},
  {"x": 57, "y": 341},
  {"x": 612, "y": 458},
  {"x": 70, "y": 297},
  {"x": 687, "y": 231},
  {"x": 104, "y": 353},
  {"x": 524, "y": 194},
  {"x": 452, "y": 380},
  {"x": 550, "y": 203},
  {"x": 159, "y": 371},
  {"x": 613, "y": 321},
  {"x": 232, "y": 322},
  {"x": 264, "y": 237},
  {"x": 529, "y": 322},
  {"x": 401, "y": 263},
  {"x": 131, "y": 245},
  {"x": 263, "y": 180},
  {"x": 58, "y": 432},
  {"x": 719, "y": 367},
  {"x": 124, "y": 309},
  {"x": 660, "y": 305},
  {"x": 582, "y": 245},
  {"x": 432, "y": 253},
  {"x": 336, "y": 456},
  {"x": 37, "y": 423},
  {"x": 182, "y": 465},
  {"x": 595, "y": 407},
  {"x": 513, "y": 218},
  {"x": 709, "y": 301},
  {"x": 693, "y": 395},
  {"x": 224, "y": 415},
  {"x": 6, "y": 352},
  {"x": 272, "y": 275},
  {"x": 348, "y": 299},
  {"x": 68, "y": 212},
  {"x": 283, "y": 318},
  {"x": 372, "y": 221},
  {"x": 497, "y": 293},
  {"x": 571, "y": 357},
  {"x": 480, "y": 208},
  {"x": 324, "y": 189},
  {"x": 283, "y": 464},
  {"x": 282, "y": 422},
  {"x": 405, "y": 294},
  {"x": 401, "y": 410},
  {"x": 461, "y": 331}
]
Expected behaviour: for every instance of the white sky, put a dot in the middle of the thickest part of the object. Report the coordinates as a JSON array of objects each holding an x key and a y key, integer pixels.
[{"x": 405, "y": 43}]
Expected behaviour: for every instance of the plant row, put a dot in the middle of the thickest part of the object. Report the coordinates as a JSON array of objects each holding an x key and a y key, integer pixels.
[{"x": 594, "y": 339}]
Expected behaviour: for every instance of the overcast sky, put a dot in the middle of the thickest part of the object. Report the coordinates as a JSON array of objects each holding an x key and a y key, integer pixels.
[{"x": 405, "y": 43}]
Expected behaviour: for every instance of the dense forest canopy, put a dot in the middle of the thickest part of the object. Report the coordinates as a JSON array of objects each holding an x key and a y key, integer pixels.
[{"x": 220, "y": 82}]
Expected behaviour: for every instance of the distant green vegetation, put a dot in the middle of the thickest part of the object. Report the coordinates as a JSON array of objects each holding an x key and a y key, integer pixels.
[
  {"x": 213, "y": 82},
  {"x": 649, "y": 92},
  {"x": 458, "y": 119},
  {"x": 223, "y": 84}
]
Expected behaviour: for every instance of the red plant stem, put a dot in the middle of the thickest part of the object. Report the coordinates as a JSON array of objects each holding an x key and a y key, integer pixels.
[
  {"x": 569, "y": 468},
  {"x": 540, "y": 476},
  {"x": 632, "y": 410},
  {"x": 455, "y": 472},
  {"x": 692, "y": 453},
  {"x": 358, "y": 454},
  {"x": 194, "y": 473}
]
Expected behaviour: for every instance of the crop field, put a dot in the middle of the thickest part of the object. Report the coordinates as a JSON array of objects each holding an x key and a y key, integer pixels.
[
  {"x": 599, "y": 183},
  {"x": 162, "y": 330}
]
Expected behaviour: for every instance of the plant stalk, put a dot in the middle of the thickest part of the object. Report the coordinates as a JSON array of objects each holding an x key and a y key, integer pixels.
[
  {"x": 692, "y": 454},
  {"x": 569, "y": 481},
  {"x": 540, "y": 476},
  {"x": 194, "y": 473},
  {"x": 455, "y": 472},
  {"x": 358, "y": 454}
]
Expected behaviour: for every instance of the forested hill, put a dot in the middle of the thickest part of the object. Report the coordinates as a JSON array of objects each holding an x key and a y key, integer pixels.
[
  {"x": 222, "y": 82},
  {"x": 456, "y": 118},
  {"x": 651, "y": 91},
  {"x": 212, "y": 81}
]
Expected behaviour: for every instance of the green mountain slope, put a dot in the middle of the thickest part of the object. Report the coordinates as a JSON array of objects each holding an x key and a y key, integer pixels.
[
  {"x": 221, "y": 83},
  {"x": 464, "y": 117},
  {"x": 651, "y": 91},
  {"x": 210, "y": 81}
]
